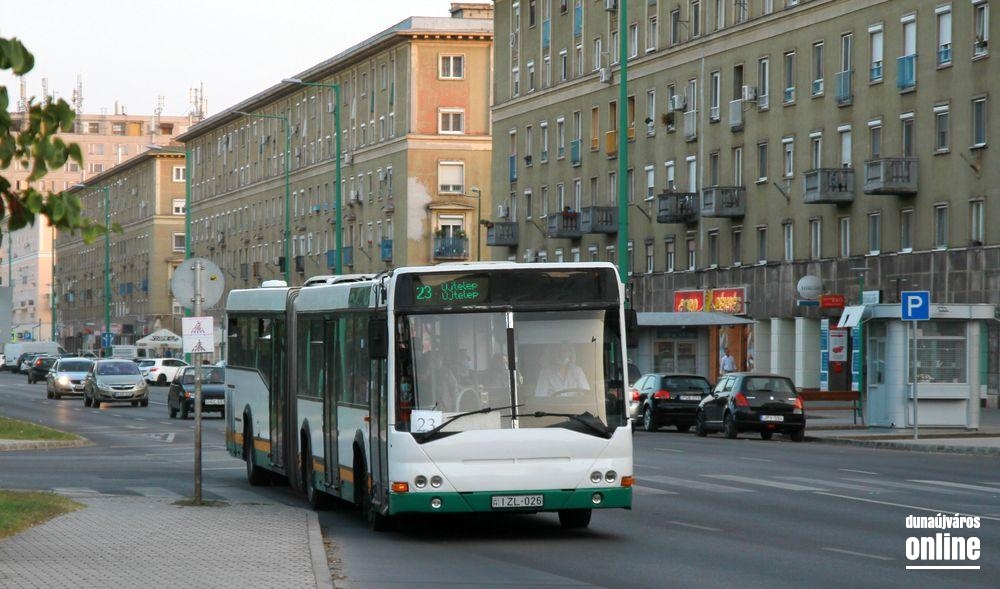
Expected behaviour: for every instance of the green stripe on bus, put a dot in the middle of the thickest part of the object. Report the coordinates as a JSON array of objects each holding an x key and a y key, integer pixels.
[{"x": 615, "y": 497}]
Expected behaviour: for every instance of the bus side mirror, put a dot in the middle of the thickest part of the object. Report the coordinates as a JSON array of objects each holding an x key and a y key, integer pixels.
[
  {"x": 377, "y": 341},
  {"x": 631, "y": 325}
]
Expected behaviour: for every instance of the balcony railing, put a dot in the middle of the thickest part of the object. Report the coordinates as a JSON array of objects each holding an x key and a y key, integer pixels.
[
  {"x": 574, "y": 151},
  {"x": 346, "y": 257},
  {"x": 723, "y": 201},
  {"x": 691, "y": 125},
  {"x": 736, "y": 115},
  {"x": 451, "y": 248},
  {"x": 944, "y": 54},
  {"x": 789, "y": 95},
  {"x": 611, "y": 143},
  {"x": 677, "y": 207},
  {"x": 386, "y": 250},
  {"x": 875, "y": 74},
  {"x": 829, "y": 185},
  {"x": 565, "y": 225},
  {"x": 599, "y": 220},
  {"x": 502, "y": 234},
  {"x": 891, "y": 175},
  {"x": 512, "y": 167},
  {"x": 906, "y": 72},
  {"x": 845, "y": 89}
]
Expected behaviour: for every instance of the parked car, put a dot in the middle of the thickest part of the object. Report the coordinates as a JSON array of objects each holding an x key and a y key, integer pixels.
[
  {"x": 667, "y": 399},
  {"x": 746, "y": 401},
  {"x": 181, "y": 396},
  {"x": 66, "y": 377},
  {"x": 39, "y": 367},
  {"x": 115, "y": 380},
  {"x": 160, "y": 370}
]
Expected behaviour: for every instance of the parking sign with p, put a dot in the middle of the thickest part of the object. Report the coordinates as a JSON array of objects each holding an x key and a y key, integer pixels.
[{"x": 915, "y": 305}]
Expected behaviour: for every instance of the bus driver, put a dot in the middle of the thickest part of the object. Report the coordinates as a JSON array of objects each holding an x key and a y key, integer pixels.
[{"x": 561, "y": 374}]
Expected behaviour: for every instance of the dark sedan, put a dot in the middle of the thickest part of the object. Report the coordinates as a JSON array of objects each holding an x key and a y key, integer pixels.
[
  {"x": 742, "y": 401},
  {"x": 181, "y": 396},
  {"x": 40, "y": 367},
  {"x": 668, "y": 399}
]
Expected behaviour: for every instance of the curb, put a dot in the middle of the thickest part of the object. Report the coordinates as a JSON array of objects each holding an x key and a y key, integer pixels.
[
  {"x": 934, "y": 448},
  {"x": 14, "y": 445},
  {"x": 317, "y": 552}
]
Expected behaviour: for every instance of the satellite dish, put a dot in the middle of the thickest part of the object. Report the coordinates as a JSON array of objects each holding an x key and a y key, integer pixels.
[{"x": 212, "y": 283}]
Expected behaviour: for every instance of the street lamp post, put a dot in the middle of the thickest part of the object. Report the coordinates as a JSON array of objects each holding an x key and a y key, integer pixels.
[
  {"x": 288, "y": 197},
  {"x": 337, "y": 229},
  {"x": 107, "y": 267},
  {"x": 623, "y": 184},
  {"x": 861, "y": 337},
  {"x": 479, "y": 222}
]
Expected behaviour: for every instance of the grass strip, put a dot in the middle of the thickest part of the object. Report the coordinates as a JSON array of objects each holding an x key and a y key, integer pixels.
[
  {"x": 13, "y": 429},
  {"x": 19, "y": 510}
]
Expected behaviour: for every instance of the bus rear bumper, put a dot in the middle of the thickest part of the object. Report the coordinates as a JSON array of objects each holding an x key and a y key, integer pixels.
[{"x": 482, "y": 501}]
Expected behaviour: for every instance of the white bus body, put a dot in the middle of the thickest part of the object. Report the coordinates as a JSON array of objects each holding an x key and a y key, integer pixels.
[{"x": 429, "y": 389}]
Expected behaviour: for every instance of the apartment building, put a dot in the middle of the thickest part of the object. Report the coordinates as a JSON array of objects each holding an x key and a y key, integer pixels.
[
  {"x": 145, "y": 197},
  {"x": 105, "y": 140},
  {"x": 414, "y": 158},
  {"x": 768, "y": 140}
]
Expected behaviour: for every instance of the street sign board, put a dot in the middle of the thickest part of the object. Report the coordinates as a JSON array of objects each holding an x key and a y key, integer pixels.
[
  {"x": 916, "y": 305},
  {"x": 212, "y": 282},
  {"x": 107, "y": 338},
  {"x": 198, "y": 335},
  {"x": 832, "y": 301}
]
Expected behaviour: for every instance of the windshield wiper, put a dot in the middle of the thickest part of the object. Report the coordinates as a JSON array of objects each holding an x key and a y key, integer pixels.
[
  {"x": 430, "y": 434},
  {"x": 586, "y": 418}
]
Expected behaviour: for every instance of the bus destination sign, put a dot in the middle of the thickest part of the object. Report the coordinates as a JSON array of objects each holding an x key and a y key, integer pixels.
[{"x": 449, "y": 289}]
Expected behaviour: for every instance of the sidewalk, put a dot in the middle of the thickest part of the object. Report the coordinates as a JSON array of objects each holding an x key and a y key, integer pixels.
[{"x": 126, "y": 542}]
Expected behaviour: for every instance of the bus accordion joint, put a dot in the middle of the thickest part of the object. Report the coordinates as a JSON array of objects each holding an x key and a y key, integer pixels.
[{"x": 627, "y": 481}]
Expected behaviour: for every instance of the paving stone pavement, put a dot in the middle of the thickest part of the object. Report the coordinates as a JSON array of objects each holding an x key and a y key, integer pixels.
[{"x": 130, "y": 542}]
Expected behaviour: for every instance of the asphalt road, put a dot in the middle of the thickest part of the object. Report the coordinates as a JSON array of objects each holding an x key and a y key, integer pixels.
[{"x": 707, "y": 511}]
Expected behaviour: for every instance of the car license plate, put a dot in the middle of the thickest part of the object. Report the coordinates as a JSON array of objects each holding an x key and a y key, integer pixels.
[
  {"x": 690, "y": 397},
  {"x": 118, "y": 395},
  {"x": 772, "y": 418},
  {"x": 516, "y": 501},
  {"x": 214, "y": 401}
]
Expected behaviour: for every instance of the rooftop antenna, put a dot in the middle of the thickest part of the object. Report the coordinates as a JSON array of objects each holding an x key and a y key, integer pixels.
[
  {"x": 45, "y": 88},
  {"x": 78, "y": 102},
  {"x": 196, "y": 98},
  {"x": 155, "y": 125},
  {"x": 22, "y": 102}
]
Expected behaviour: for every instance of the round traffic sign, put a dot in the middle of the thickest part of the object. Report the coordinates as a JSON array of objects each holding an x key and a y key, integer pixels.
[{"x": 183, "y": 281}]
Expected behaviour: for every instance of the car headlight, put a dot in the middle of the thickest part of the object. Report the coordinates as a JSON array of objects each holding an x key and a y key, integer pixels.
[
  {"x": 63, "y": 381},
  {"x": 103, "y": 386}
]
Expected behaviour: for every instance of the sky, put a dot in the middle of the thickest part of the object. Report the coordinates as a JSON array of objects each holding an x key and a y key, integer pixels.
[{"x": 134, "y": 51}]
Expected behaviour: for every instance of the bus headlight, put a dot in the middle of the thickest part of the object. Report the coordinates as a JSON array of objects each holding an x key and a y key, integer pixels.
[
  {"x": 595, "y": 477},
  {"x": 610, "y": 476},
  {"x": 436, "y": 481},
  {"x": 420, "y": 482}
]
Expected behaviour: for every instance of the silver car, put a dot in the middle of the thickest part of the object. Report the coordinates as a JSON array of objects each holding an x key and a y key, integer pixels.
[
  {"x": 115, "y": 381},
  {"x": 66, "y": 377}
]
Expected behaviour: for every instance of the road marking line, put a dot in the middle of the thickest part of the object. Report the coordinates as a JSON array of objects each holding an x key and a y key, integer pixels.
[
  {"x": 698, "y": 485},
  {"x": 695, "y": 526},
  {"x": 858, "y": 471},
  {"x": 157, "y": 492},
  {"x": 861, "y": 554},
  {"x": 835, "y": 484},
  {"x": 754, "y": 459},
  {"x": 910, "y": 487},
  {"x": 669, "y": 450},
  {"x": 653, "y": 466},
  {"x": 763, "y": 483},
  {"x": 957, "y": 485},
  {"x": 899, "y": 505},
  {"x": 227, "y": 468},
  {"x": 650, "y": 490}
]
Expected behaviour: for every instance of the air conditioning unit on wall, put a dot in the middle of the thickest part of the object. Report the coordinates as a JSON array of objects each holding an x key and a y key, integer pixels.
[
  {"x": 677, "y": 102},
  {"x": 502, "y": 212},
  {"x": 749, "y": 93}
]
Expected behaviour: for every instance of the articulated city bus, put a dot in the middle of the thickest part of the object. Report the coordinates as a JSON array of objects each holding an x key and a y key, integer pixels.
[{"x": 473, "y": 387}]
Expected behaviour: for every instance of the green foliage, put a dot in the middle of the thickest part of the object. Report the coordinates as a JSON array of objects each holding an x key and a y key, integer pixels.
[{"x": 37, "y": 146}]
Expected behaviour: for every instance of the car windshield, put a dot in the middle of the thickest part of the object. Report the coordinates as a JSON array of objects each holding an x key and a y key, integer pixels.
[
  {"x": 75, "y": 366},
  {"x": 686, "y": 383},
  {"x": 46, "y": 362},
  {"x": 566, "y": 362},
  {"x": 117, "y": 368},
  {"x": 214, "y": 375},
  {"x": 146, "y": 363},
  {"x": 768, "y": 385}
]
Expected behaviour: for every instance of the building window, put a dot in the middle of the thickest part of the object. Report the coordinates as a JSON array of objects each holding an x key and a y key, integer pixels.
[
  {"x": 874, "y": 233},
  {"x": 669, "y": 255},
  {"x": 671, "y": 170},
  {"x": 762, "y": 162},
  {"x": 652, "y": 30},
  {"x": 906, "y": 230},
  {"x": 649, "y": 258},
  {"x": 875, "y": 44},
  {"x": 692, "y": 262},
  {"x": 650, "y": 182},
  {"x": 451, "y": 177},
  {"x": 737, "y": 246},
  {"x": 817, "y": 68},
  {"x": 675, "y": 26},
  {"x": 531, "y": 76},
  {"x": 979, "y": 122},
  {"x": 845, "y": 237},
  {"x": 762, "y": 245},
  {"x": 451, "y": 121},
  {"x": 846, "y": 142},
  {"x": 789, "y": 96},
  {"x": 875, "y": 140},
  {"x": 694, "y": 16},
  {"x": 977, "y": 228},
  {"x": 815, "y": 239},
  {"x": 544, "y": 156},
  {"x": 713, "y": 248},
  {"x": 788, "y": 239},
  {"x": 980, "y": 27},
  {"x": 941, "y": 128},
  {"x": 788, "y": 146},
  {"x": 944, "y": 35},
  {"x": 763, "y": 82},
  {"x": 179, "y": 173},
  {"x": 715, "y": 89},
  {"x": 941, "y": 226},
  {"x": 906, "y": 123},
  {"x": 178, "y": 243},
  {"x": 179, "y": 206},
  {"x": 452, "y": 67},
  {"x": 815, "y": 150}
]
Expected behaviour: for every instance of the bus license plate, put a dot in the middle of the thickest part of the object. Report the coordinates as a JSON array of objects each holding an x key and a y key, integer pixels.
[
  {"x": 516, "y": 501},
  {"x": 772, "y": 418}
]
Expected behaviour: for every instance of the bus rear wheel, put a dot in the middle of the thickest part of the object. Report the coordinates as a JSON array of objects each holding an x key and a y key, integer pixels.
[
  {"x": 255, "y": 476},
  {"x": 315, "y": 497},
  {"x": 575, "y": 518}
]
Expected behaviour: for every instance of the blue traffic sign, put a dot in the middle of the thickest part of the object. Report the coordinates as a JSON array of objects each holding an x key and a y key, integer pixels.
[
  {"x": 915, "y": 305},
  {"x": 106, "y": 339}
]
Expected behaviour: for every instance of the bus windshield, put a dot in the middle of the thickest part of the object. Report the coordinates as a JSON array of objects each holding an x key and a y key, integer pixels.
[{"x": 549, "y": 362}]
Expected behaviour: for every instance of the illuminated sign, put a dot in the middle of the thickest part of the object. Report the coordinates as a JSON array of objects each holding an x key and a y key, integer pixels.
[
  {"x": 686, "y": 301},
  {"x": 832, "y": 301},
  {"x": 729, "y": 300},
  {"x": 438, "y": 289}
]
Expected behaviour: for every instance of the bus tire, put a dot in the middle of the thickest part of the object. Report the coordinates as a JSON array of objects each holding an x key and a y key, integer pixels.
[
  {"x": 255, "y": 475},
  {"x": 575, "y": 518},
  {"x": 377, "y": 522},
  {"x": 315, "y": 497}
]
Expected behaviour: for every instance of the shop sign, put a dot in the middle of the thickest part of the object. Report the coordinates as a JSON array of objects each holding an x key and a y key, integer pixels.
[
  {"x": 689, "y": 300},
  {"x": 729, "y": 300},
  {"x": 832, "y": 301}
]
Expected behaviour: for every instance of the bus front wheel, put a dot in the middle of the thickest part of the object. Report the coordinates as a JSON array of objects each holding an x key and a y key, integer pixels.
[
  {"x": 255, "y": 475},
  {"x": 377, "y": 521},
  {"x": 575, "y": 518}
]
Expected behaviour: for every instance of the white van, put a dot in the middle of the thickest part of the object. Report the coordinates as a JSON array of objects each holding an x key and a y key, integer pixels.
[{"x": 12, "y": 351}]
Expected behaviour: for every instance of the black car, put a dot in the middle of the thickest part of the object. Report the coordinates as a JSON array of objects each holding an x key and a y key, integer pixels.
[
  {"x": 744, "y": 401},
  {"x": 668, "y": 399},
  {"x": 181, "y": 396},
  {"x": 25, "y": 360},
  {"x": 40, "y": 366}
]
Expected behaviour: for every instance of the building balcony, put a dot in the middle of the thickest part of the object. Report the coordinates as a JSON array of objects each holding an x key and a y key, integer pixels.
[
  {"x": 677, "y": 207},
  {"x": 611, "y": 143},
  {"x": 691, "y": 125},
  {"x": 906, "y": 72},
  {"x": 736, "y": 115},
  {"x": 565, "y": 225},
  {"x": 599, "y": 220},
  {"x": 451, "y": 248},
  {"x": 891, "y": 175},
  {"x": 574, "y": 152},
  {"x": 502, "y": 234},
  {"x": 829, "y": 186},
  {"x": 386, "y": 250},
  {"x": 845, "y": 88},
  {"x": 724, "y": 201}
]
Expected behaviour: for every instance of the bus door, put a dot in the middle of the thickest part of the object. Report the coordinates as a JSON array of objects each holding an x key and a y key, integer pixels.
[
  {"x": 279, "y": 392},
  {"x": 377, "y": 425},
  {"x": 331, "y": 388}
]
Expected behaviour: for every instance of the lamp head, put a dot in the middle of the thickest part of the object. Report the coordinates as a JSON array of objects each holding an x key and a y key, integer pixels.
[{"x": 292, "y": 80}]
